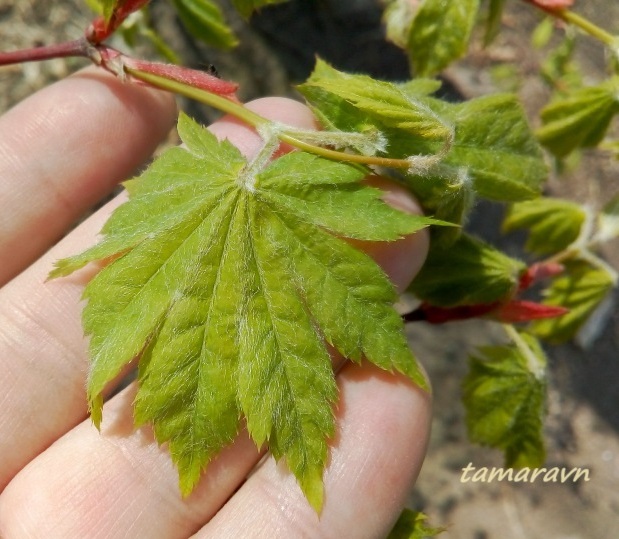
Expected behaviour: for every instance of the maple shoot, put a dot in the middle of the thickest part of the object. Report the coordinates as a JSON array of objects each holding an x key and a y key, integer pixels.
[{"x": 230, "y": 279}]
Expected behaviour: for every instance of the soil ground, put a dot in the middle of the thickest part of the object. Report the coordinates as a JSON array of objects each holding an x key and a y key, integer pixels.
[{"x": 583, "y": 419}]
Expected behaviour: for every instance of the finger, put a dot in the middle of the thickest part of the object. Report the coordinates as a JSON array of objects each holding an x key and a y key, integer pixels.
[
  {"x": 49, "y": 471},
  {"x": 42, "y": 348},
  {"x": 383, "y": 428},
  {"x": 118, "y": 482},
  {"x": 63, "y": 149}
]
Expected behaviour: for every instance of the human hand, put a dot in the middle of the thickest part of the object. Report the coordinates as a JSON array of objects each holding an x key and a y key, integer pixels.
[{"x": 60, "y": 151}]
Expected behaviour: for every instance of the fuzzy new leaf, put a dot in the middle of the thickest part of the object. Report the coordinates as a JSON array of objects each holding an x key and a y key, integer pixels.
[
  {"x": 469, "y": 272},
  {"x": 579, "y": 120},
  {"x": 440, "y": 33},
  {"x": 580, "y": 288},
  {"x": 352, "y": 102},
  {"x": 227, "y": 281},
  {"x": 504, "y": 397},
  {"x": 489, "y": 139},
  {"x": 553, "y": 223},
  {"x": 493, "y": 146}
]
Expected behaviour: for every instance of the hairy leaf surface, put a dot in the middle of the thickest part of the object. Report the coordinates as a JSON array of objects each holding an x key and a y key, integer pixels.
[
  {"x": 504, "y": 396},
  {"x": 581, "y": 288},
  {"x": 392, "y": 105},
  {"x": 227, "y": 282},
  {"x": 440, "y": 33},
  {"x": 491, "y": 149},
  {"x": 469, "y": 272},
  {"x": 579, "y": 120},
  {"x": 553, "y": 223}
]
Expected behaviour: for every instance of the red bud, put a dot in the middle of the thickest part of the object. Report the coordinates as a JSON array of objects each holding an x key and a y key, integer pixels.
[
  {"x": 538, "y": 272},
  {"x": 552, "y": 5},
  {"x": 100, "y": 29},
  {"x": 524, "y": 311},
  {"x": 191, "y": 77}
]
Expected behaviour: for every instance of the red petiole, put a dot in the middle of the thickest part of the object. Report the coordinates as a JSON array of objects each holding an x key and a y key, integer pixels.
[{"x": 116, "y": 62}]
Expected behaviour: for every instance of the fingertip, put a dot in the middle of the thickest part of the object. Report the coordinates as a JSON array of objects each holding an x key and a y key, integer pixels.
[{"x": 155, "y": 107}]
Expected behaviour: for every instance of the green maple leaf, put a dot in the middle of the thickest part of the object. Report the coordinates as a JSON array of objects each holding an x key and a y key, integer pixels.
[
  {"x": 493, "y": 152},
  {"x": 440, "y": 33},
  {"x": 504, "y": 395},
  {"x": 581, "y": 288},
  {"x": 553, "y": 223},
  {"x": 483, "y": 274},
  {"x": 580, "y": 119},
  {"x": 228, "y": 282}
]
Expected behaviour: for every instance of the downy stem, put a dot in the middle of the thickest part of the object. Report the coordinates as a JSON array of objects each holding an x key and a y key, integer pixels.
[
  {"x": 249, "y": 117},
  {"x": 535, "y": 366}
]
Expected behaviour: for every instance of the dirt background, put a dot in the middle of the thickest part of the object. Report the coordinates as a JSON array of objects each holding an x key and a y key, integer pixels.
[{"x": 583, "y": 415}]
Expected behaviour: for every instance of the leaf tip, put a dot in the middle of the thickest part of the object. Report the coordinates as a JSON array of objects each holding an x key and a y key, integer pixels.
[{"x": 96, "y": 410}]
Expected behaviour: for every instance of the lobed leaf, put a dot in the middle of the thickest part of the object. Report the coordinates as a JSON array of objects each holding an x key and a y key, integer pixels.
[
  {"x": 580, "y": 288},
  {"x": 489, "y": 139},
  {"x": 390, "y": 104},
  {"x": 468, "y": 272},
  {"x": 495, "y": 146},
  {"x": 504, "y": 396},
  {"x": 553, "y": 223},
  {"x": 439, "y": 34},
  {"x": 579, "y": 120},
  {"x": 227, "y": 283}
]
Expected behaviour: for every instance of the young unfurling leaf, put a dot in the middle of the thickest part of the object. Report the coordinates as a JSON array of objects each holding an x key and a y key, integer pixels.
[
  {"x": 580, "y": 288},
  {"x": 227, "y": 282},
  {"x": 469, "y": 272},
  {"x": 552, "y": 223},
  {"x": 579, "y": 120},
  {"x": 440, "y": 34},
  {"x": 504, "y": 396},
  {"x": 487, "y": 143}
]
